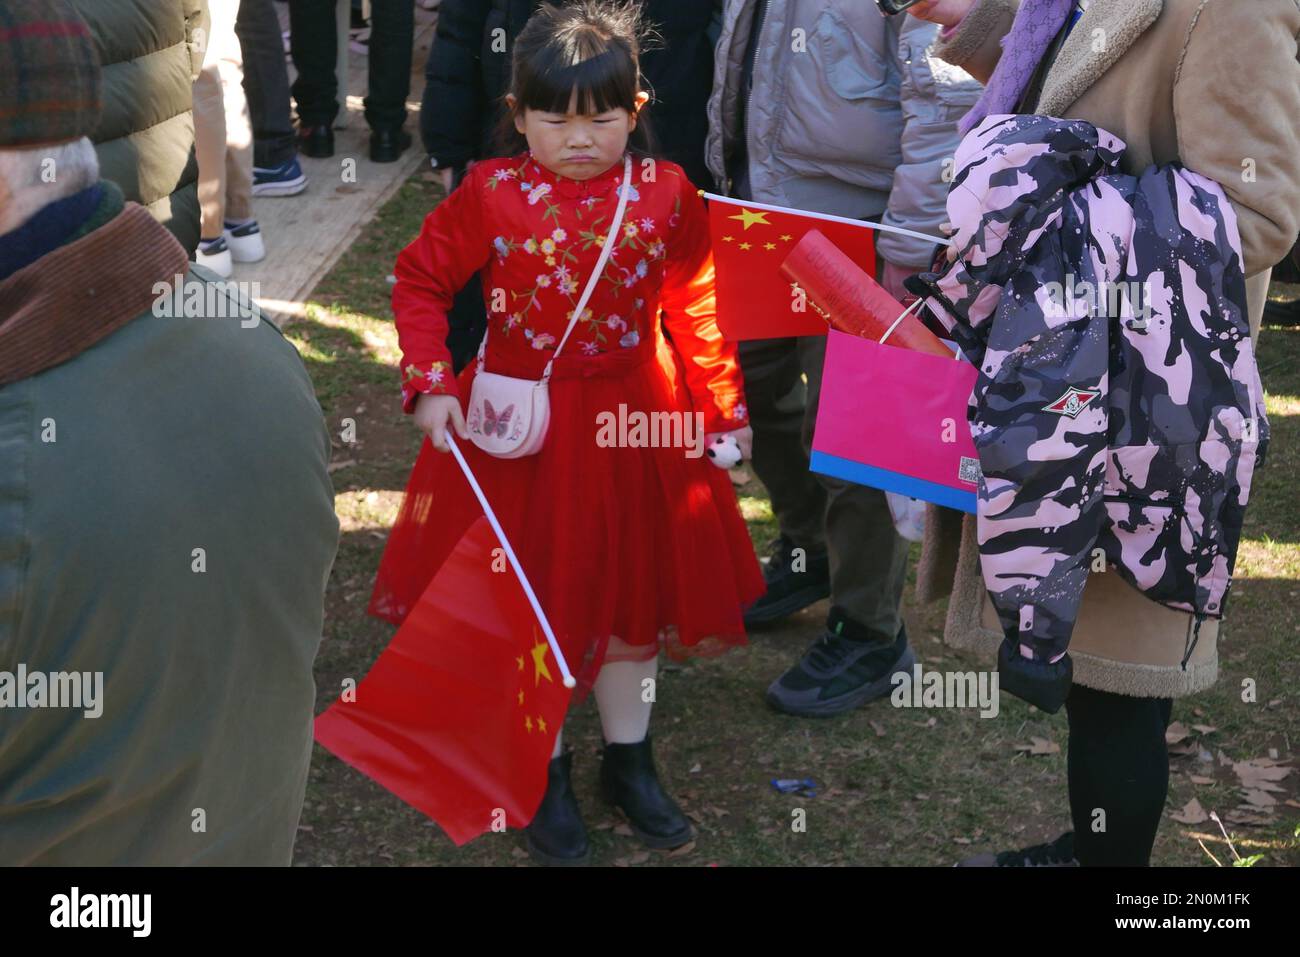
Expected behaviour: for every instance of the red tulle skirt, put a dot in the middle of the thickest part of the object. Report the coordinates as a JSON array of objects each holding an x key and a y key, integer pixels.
[{"x": 643, "y": 544}]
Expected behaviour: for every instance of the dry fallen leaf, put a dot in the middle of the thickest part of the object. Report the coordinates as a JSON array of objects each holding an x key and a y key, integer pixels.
[
  {"x": 1204, "y": 729},
  {"x": 1176, "y": 732},
  {"x": 682, "y": 851},
  {"x": 1261, "y": 770},
  {"x": 622, "y": 830},
  {"x": 1198, "y": 779},
  {"x": 345, "y": 463},
  {"x": 876, "y": 727},
  {"x": 961, "y": 840},
  {"x": 1192, "y": 813},
  {"x": 640, "y": 857},
  {"x": 1259, "y": 798}
]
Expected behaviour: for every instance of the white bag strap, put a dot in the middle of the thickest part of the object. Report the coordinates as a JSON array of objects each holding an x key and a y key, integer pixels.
[
  {"x": 605, "y": 250},
  {"x": 906, "y": 312}
]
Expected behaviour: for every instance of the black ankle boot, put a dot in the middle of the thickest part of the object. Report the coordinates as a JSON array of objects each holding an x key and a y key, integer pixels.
[
  {"x": 557, "y": 835},
  {"x": 629, "y": 782}
]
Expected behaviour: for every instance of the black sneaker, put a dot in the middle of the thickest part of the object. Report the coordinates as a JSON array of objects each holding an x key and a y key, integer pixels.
[
  {"x": 845, "y": 668},
  {"x": 788, "y": 590},
  {"x": 1282, "y": 313},
  {"x": 1060, "y": 853}
]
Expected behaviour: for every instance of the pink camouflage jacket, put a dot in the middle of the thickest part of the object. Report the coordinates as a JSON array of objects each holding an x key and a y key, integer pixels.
[{"x": 1118, "y": 413}]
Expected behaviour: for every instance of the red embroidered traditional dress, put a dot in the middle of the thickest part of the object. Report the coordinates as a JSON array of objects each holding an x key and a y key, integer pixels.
[{"x": 643, "y": 543}]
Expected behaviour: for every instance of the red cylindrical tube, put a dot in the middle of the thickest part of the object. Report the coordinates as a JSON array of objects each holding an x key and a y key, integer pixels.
[{"x": 850, "y": 300}]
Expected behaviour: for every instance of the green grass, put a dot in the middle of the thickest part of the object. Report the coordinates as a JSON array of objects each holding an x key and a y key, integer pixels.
[{"x": 896, "y": 786}]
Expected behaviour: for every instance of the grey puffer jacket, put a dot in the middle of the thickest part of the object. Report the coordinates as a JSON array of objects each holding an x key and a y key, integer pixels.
[
  {"x": 849, "y": 114},
  {"x": 151, "y": 51}
]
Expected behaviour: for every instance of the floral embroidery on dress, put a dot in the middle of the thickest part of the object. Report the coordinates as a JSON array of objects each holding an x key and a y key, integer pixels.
[
  {"x": 430, "y": 380},
  {"x": 541, "y": 246}
]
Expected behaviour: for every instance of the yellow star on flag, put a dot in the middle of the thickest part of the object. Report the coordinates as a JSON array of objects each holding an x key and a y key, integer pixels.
[
  {"x": 528, "y": 724},
  {"x": 728, "y": 239},
  {"x": 540, "y": 670},
  {"x": 521, "y": 697},
  {"x": 786, "y": 237},
  {"x": 769, "y": 246},
  {"x": 520, "y": 659},
  {"x": 541, "y": 724},
  {"x": 746, "y": 246},
  {"x": 751, "y": 218}
]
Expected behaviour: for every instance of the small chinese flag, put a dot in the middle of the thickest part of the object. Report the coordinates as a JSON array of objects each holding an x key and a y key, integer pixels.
[
  {"x": 459, "y": 715},
  {"x": 749, "y": 244}
]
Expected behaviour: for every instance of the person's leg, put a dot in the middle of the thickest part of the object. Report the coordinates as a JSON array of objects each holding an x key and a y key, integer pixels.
[
  {"x": 624, "y": 696},
  {"x": 868, "y": 558},
  {"x": 624, "y": 692},
  {"x": 775, "y": 397},
  {"x": 210, "y": 150},
  {"x": 266, "y": 83},
  {"x": 392, "y": 35},
  {"x": 313, "y": 43},
  {"x": 1118, "y": 770},
  {"x": 239, "y": 129},
  {"x": 864, "y": 644}
]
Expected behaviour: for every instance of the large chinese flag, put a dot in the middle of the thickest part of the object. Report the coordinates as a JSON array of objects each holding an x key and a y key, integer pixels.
[
  {"x": 750, "y": 241},
  {"x": 458, "y": 716}
]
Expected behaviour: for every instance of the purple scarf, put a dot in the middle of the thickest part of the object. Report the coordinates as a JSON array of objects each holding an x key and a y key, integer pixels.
[{"x": 1036, "y": 25}]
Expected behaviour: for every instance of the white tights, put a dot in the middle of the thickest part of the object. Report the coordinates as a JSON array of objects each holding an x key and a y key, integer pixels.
[{"x": 623, "y": 698}]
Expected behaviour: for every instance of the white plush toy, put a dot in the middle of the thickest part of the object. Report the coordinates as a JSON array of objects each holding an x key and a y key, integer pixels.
[{"x": 724, "y": 452}]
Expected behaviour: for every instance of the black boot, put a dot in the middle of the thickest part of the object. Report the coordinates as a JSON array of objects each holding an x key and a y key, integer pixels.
[
  {"x": 629, "y": 782},
  {"x": 387, "y": 146},
  {"x": 316, "y": 141},
  {"x": 557, "y": 835}
]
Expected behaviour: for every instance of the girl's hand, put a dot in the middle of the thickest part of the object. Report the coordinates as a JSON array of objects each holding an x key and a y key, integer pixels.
[
  {"x": 432, "y": 412},
  {"x": 946, "y": 12},
  {"x": 744, "y": 440}
]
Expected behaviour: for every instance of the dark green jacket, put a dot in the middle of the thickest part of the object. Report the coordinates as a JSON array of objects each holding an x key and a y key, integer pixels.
[
  {"x": 170, "y": 436},
  {"x": 151, "y": 51}
]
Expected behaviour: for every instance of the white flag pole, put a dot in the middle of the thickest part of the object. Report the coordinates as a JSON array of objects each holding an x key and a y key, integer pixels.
[
  {"x": 884, "y": 227},
  {"x": 569, "y": 682}
]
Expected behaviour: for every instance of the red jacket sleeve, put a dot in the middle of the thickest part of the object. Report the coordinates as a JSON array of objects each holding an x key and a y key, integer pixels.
[
  {"x": 451, "y": 247},
  {"x": 690, "y": 316}
]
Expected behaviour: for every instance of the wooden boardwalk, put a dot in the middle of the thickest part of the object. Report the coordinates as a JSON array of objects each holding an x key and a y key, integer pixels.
[{"x": 306, "y": 234}]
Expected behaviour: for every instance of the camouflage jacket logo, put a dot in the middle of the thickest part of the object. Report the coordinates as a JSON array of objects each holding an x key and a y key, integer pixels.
[{"x": 1118, "y": 405}]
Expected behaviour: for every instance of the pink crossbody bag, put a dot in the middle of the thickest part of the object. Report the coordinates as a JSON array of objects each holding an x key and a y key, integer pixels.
[{"x": 509, "y": 417}]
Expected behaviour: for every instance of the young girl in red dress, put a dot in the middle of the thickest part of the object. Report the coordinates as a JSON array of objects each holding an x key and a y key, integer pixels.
[{"x": 630, "y": 549}]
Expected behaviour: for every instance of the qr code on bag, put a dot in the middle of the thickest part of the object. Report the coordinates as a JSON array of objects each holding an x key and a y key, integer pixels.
[{"x": 969, "y": 470}]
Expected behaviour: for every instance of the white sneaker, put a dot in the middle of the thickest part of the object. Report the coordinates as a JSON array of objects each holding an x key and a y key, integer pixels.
[
  {"x": 214, "y": 254},
  {"x": 245, "y": 242}
]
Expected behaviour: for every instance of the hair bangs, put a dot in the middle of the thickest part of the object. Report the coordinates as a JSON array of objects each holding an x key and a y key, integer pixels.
[{"x": 602, "y": 76}]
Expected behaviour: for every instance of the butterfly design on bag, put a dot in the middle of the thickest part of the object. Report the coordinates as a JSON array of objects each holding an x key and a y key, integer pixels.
[{"x": 492, "y": 422}]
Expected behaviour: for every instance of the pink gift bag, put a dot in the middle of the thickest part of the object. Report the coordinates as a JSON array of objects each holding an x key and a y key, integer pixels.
[{"x": 895, "y": 419}]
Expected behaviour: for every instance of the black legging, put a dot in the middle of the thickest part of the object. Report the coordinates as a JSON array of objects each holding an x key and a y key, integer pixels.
[{"x": 1117, "y": 763}]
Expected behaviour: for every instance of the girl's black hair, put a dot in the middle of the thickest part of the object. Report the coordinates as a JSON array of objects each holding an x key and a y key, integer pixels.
[{"x": 592, "y": 46}]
